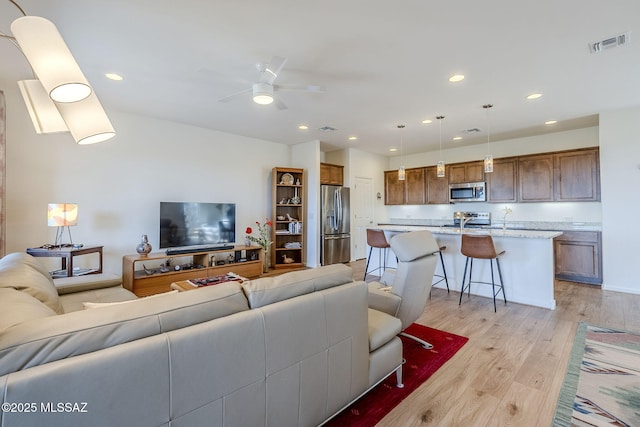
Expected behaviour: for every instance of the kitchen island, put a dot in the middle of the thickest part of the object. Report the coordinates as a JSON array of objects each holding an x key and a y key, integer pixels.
[{"x": 527, "y": 265}]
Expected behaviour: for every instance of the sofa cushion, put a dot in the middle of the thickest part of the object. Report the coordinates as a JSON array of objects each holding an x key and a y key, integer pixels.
[
  {"x": 18, "y": 307},
  {"x": 89, "y": 305},
  {"x": 75, "y": 301},
  {"x": 268, "y": 290},
  {"x": 88, "y": 282},
  {"x": 22, "y": 272},
  {"x": 35, "y": 342}
]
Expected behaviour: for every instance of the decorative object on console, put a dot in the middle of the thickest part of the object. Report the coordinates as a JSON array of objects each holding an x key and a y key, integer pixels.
[
  {"x": 62, "y": 215},
  {"x": 61, "y": 99},
  {"x": 287, "y": 260},
  {"x": 144, "y": 247},
  {"x": 247, "y": 240},
  {"x": 263, "y": 240}
]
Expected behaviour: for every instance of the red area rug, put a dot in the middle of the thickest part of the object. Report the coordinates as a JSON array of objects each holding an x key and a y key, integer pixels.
[{"x": 420, "y": 365}]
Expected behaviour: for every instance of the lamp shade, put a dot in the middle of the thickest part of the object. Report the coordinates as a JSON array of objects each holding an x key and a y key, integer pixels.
[
  {"x": 62, "y": 214},
  {"x": 87, "y": 121},
  {"x": 50, "y": 59},
  {"x": 43, "y": 112}
]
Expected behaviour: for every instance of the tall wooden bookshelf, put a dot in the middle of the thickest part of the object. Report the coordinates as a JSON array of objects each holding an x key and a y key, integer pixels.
[{"x": 287, "y": 250}]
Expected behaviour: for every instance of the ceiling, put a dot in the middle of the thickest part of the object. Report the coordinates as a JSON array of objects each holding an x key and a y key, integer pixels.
[{"x": 380, "y": 63}]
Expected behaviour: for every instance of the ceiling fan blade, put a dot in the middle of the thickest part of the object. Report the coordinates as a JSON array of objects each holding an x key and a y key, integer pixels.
[
  {"x": 304, "y": 88},
  {"x": 270, "y": 71},
  {"x": 280, "y": 104},
  {"x": 235, "y": 95}
]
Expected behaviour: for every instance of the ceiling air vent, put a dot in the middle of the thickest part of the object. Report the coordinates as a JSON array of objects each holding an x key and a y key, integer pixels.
[
  {"x": 326, "y": 129},
  {"x": 472, "y": 130},
  {"x": 608, "y": 43}
]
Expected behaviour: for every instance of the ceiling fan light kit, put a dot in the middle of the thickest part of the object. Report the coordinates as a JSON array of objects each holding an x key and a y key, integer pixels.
[{"x": 262, "y": 93}]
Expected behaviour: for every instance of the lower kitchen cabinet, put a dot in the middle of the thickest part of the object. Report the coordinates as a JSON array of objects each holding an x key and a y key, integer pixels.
[{"x": 578, "y": 256}]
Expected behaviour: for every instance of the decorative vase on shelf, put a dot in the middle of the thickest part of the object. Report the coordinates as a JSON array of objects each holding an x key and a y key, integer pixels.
[
  {"x": 247, "y": 241},
  {"x": 144, "y": 247},
  {"x": 265, "y": 262}
]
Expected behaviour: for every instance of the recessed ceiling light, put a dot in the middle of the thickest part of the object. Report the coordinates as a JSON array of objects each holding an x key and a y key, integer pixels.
[
  {"x": 456, "y": 78},
  {"x": 353, "y": 138},
  {"x": 427, "y": 121},
  {"x": 534, "y": 96},
  {"x": 457, "y": 138},
  {"x": 550, "y": 122},
  {"x": 303, "y": 127},
  {"x": 393, "y": 149},
  {"x": 114, "y": 76}
]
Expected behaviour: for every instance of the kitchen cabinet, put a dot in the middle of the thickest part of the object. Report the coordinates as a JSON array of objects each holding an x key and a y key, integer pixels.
[
  {"x": 535, "y": 178},
  {"x": 578, "y": 256},
  {"x": 577, "y": 176},
  {"x": 393, "y": 188},
  {"x": 415, "y": 186},
  {"x": 411, "y": 191},
  {"x": 502, "y": 183},
  {"x": 437, "y": 188},
  {"x": 331, "y": 174},
  {"x": 466, "y": 172}
]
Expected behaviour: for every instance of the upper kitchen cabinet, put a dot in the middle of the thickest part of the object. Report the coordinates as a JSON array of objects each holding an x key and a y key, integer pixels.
[
  {"x": 437, "y": 188},
  {"x": 535, "y": 178},
  {"x": 411, "y": 191},
  {"x": 466, "y": 172},
  {"x": 502, "y": 183},
  {"x": 415, "y": 186},
  {"x": 577, "y": 176},
  {"x": 393, "y": 188},
  {"x": 331, "y": 174}
]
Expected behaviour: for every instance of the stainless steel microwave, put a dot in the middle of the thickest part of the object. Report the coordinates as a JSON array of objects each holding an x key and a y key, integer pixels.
[{"x": 467, "y": 192}]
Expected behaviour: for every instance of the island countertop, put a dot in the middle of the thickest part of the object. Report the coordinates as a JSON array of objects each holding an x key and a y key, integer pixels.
[{"x": 494, "y": 232}]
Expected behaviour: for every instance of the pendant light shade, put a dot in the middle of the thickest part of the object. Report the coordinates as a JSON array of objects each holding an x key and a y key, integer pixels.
[
  {"x": 488, "y": 159},
  {"x": 401, "y": 172},
  {"x": 50, "y": 59},
  {"x": 440, "y": 170},
  {"x": 43, "y": 112},
  {"x": 87, "y": 120}
]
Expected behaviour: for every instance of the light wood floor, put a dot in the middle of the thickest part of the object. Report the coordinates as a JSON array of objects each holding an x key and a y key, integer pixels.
[{"x": 510, "y": 371}]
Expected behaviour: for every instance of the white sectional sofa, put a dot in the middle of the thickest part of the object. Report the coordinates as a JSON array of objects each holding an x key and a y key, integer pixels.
[{"x": 291, "y": 350}]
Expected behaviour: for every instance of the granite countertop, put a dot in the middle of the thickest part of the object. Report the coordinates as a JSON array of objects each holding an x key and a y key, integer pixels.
[
  {"x": 511, "y": 225},
  {"x": 495, "y": 232}
]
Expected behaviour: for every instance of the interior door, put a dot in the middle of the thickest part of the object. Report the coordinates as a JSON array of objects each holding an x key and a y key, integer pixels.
[{"x": 363, "y": 215}]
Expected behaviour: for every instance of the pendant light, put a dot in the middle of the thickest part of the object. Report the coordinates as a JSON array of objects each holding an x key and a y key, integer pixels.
[
  {"x": 440, "y": 164},
  {"x": 488, "y": 159},
  {"x": 401, "y": 172}
]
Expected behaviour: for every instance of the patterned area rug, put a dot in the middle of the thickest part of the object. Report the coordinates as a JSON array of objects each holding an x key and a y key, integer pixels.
[
  {"x": 602, "y": 384},
  {"x": 420, "y": 365}
]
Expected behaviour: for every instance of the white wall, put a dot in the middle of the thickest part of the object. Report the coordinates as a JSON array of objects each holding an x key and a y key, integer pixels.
[
  {"x": 620, "y": 176},
  {"x": 118, "y": 184}
]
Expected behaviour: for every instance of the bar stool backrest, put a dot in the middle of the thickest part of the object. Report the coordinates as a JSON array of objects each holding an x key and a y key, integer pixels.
[
  {"x": 376, "y": 239},
  {"x": 478, "y": 246}
]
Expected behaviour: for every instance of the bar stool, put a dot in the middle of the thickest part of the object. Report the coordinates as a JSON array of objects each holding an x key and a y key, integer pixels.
[
  {"x": 481, "y": 247},
  {"x": 442, "y": 276},
  {"x": 376, "y": 239}
]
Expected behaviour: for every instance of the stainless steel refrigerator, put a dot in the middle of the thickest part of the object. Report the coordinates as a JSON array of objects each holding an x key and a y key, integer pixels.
[{"x": 336, "y": 225}]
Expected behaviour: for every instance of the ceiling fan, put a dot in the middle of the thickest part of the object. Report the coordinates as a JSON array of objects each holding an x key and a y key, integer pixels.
[{"x": 263, "y": 90}]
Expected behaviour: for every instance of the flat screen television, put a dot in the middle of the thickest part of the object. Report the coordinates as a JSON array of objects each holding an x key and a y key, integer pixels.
[{"x": 185, "y": 224}]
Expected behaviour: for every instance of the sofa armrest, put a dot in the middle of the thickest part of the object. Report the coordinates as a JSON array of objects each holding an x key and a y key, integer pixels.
[
  {"x": 382, "y": 299},
  {"x": 89, "y": 282}
]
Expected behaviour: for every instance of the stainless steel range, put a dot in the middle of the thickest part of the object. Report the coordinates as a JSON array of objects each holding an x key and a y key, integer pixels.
[{"x": 471, "y": 219}]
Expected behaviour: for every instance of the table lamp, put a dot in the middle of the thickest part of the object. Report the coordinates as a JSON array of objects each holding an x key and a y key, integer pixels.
[{"x": 62, "y": 215}]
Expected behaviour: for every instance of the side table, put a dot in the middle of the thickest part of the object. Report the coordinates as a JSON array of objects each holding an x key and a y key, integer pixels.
[{"x": 67, "y": 254}]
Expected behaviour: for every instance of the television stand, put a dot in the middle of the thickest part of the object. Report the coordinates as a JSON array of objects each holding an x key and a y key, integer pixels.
[{"x": 148, "y": 275}]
